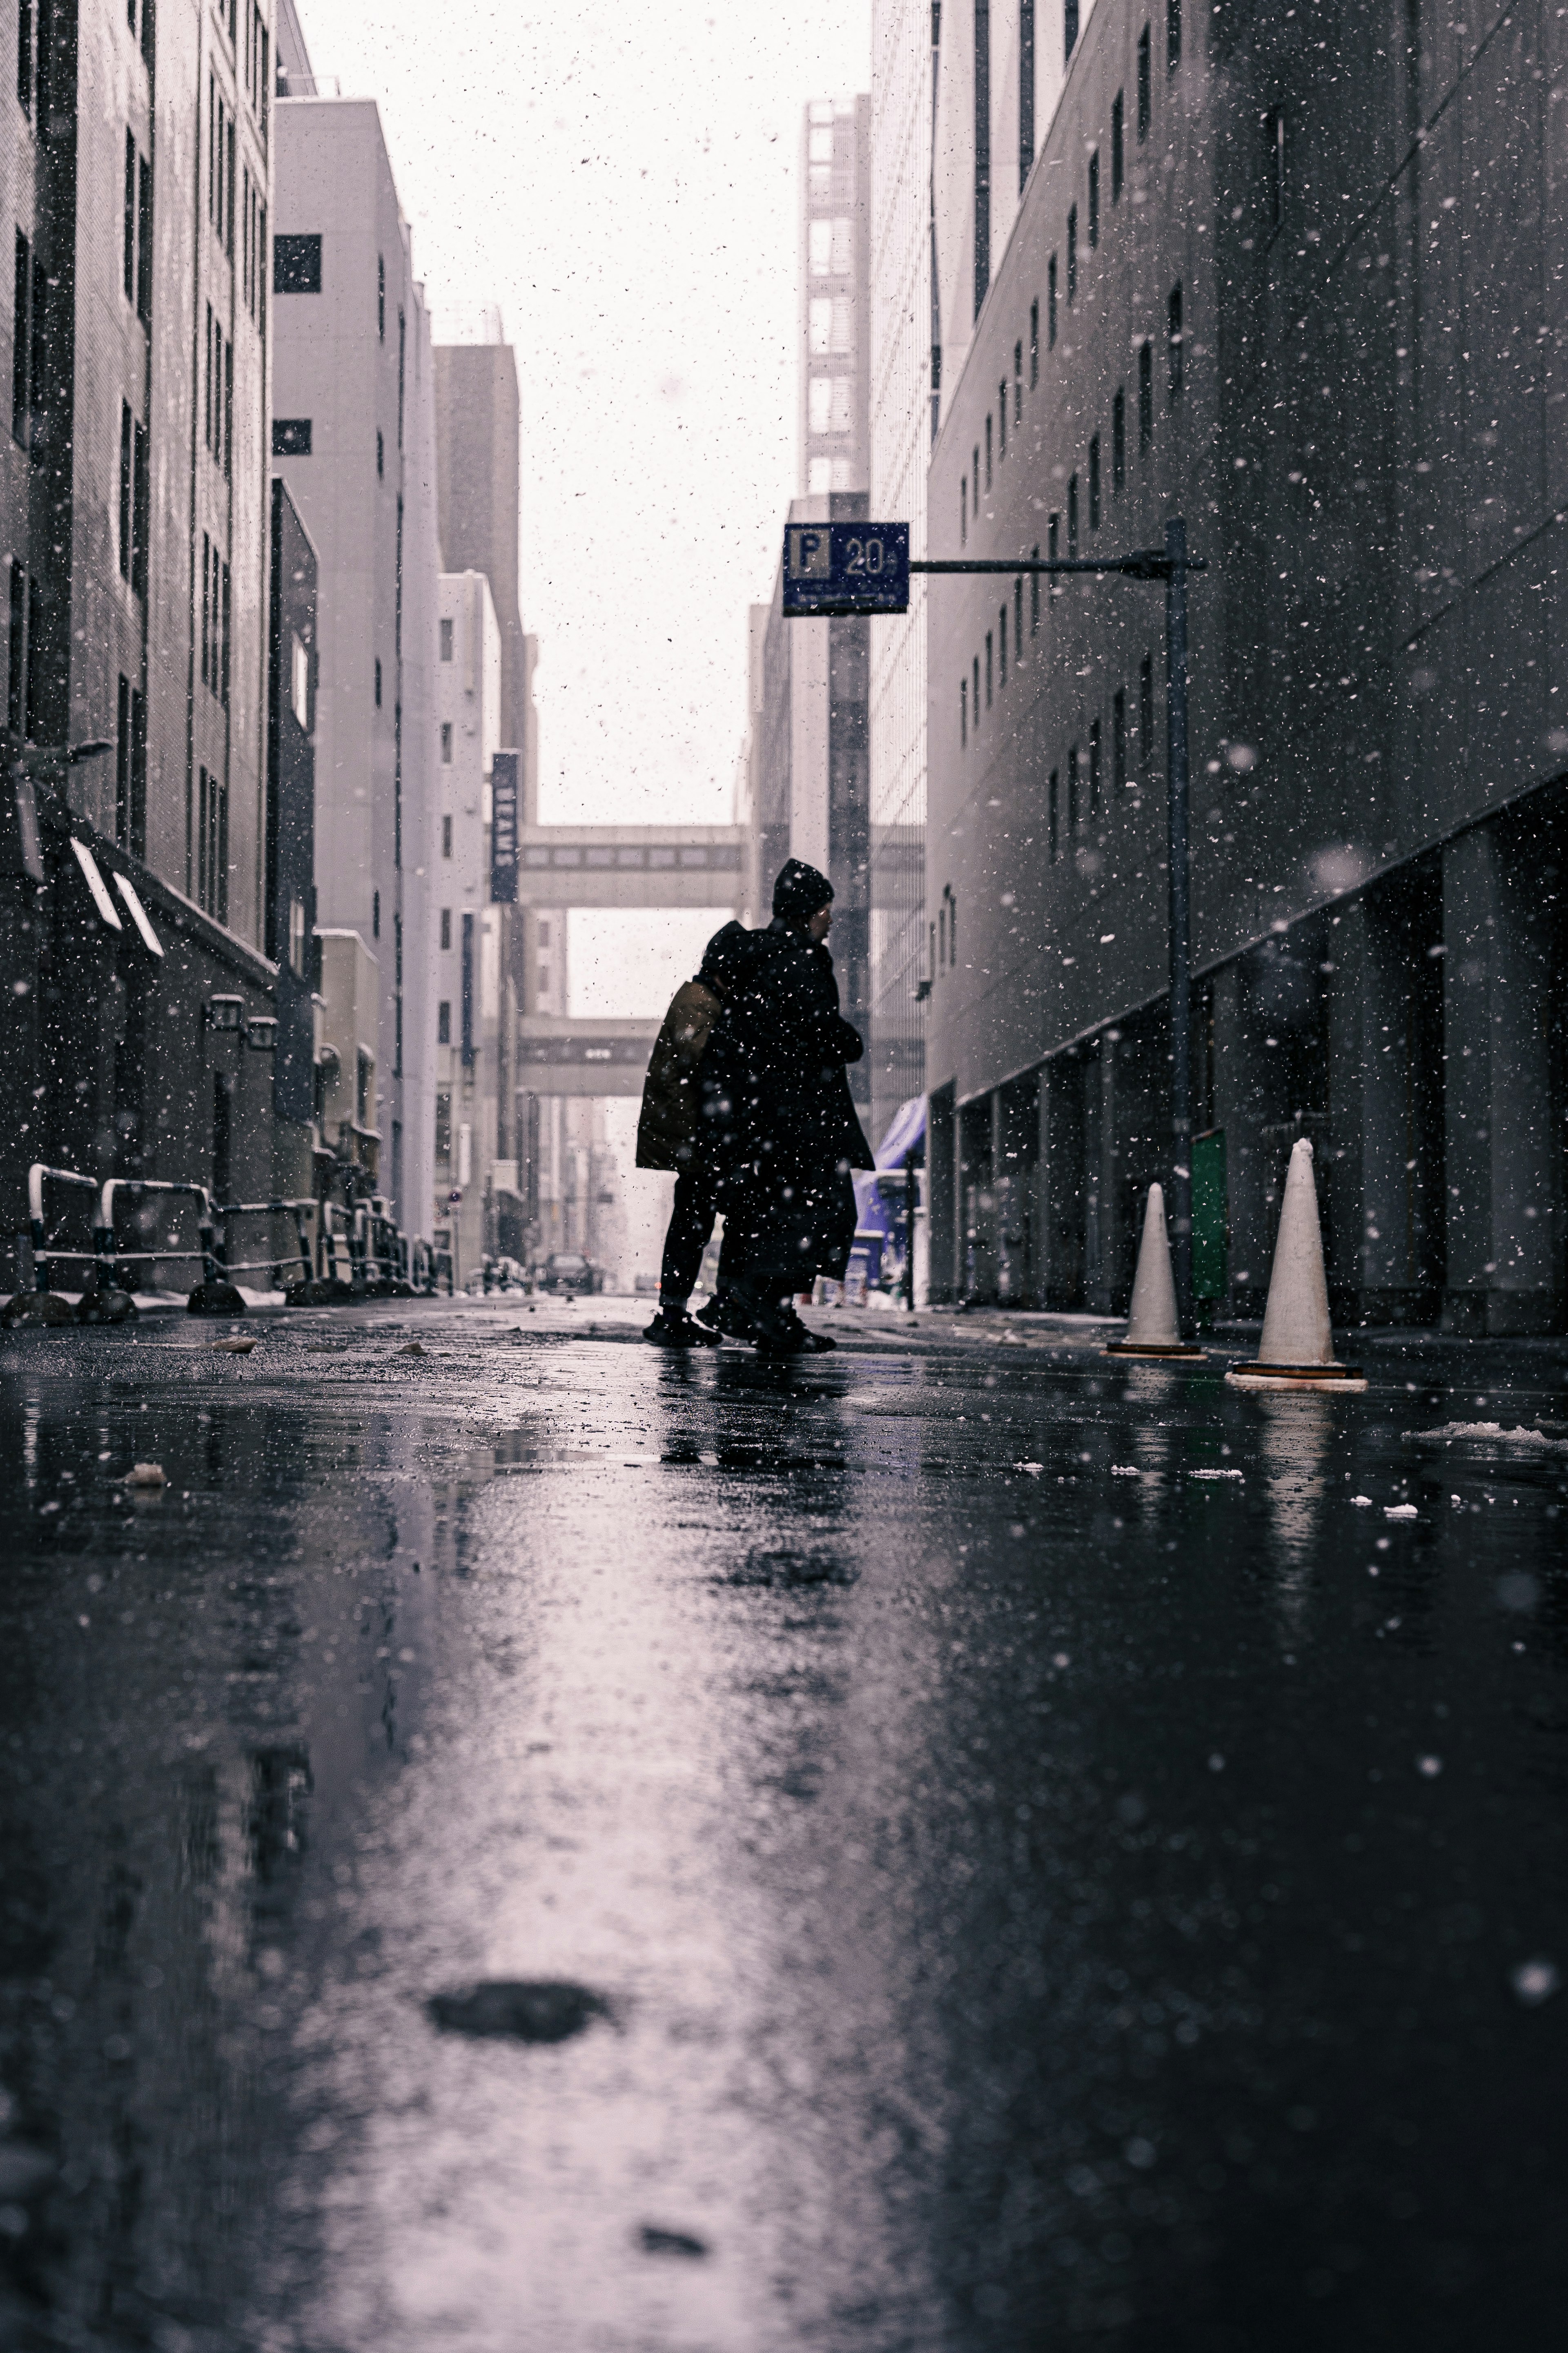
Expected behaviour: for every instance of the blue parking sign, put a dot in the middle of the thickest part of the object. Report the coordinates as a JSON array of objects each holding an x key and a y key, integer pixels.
[{"x": 838, "y": 568}]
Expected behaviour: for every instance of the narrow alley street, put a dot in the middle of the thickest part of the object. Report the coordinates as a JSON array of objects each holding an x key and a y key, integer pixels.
[{"x": 526, "y": 1841}]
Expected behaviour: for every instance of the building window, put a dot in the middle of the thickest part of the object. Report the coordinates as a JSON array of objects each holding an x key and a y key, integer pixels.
[
  {"x": 545, "y": 932},
  {"x": 1025, "y": 90},
  {"x": 1146, "y": 712},
  {"x": 544, "y": 980},
  {"x": 381, "y": 297},
  {"x": 988, "y": 452},
  {"x": 830, "y": 248},
  {"x": 446, "y": 742},
  {"x": 1054, "y": 546},
  {"x": 446, "y": 837},
  {"x": 291, "y": 437},
  {"x": 24, "y": 56},
  {"x": 140, "y": 502},
  {"x": 1002, "y": 646},
  {"x": 1094, "y": 772},
  {"x": 1072, "y": 517},
  {"x": 1118, "y": 739},
  {"x": 296, "y": 265},
  {"x": 21, "y": 340},
  {"x": 1094, "y": 198},
  {"x": 974, "y": 478},
  {"x": 375, "y": 914},
  {"x": 975, "y": 693},
  {"x": 445, "y": 641},
  {"x": 1017, "y": 620},
  {"x": 1094, "y": 482},
  {"x": 1175, "y": 341},
  {"x": 125, "y": 448},
  {"x": 122, "y": 764},
  {"x": 1051, "y": 304},
  {"x": 1055, "y": 803},
  {"x": 15, "y": 672},
  {"x": 445, "y": 927},
  {"x": 1274, "y": 164},
  {"x": 378, "y": 681},
  {"x": 300, "y": 679},
  {"x": 1145, "y": 394},
  {"x": 444, "y": 1114},
  {"x": 380, "y": 456},
  {"x": 1034, "y": 598},
  {"x": 129, "y": 268},
  {"x": 1017, "y": 384},
  {"x": 1173, "y": 35},
  {"x": 1118, "y": 154},
  {"x": 1034, "y": 343},
  {"x": 1072, "y": 253},
  {"x": 1119, "y": 440},
  {"x": 990, "y": 660},
  {"x": 1002, "y": 417},
  {"x": 444, "y": 1019},
  {"x": 1145, "y": 88},
  {"x": 1069, "y": 28},
  {"x": 964, "y": 512},
  {"x": 962, "y": 712},
  {"x": 1072, "y": 810}
]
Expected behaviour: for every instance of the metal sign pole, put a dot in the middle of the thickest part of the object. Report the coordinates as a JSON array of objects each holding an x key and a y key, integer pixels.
[
  {"x": 1180, "y": 922},
  {"x": 828, "y": 569}
]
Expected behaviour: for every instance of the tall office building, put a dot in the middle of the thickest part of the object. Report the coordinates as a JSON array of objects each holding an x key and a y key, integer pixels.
[
  {"x": 353, "y": 437},
  {"x": 836, "y": 167},
  {"x": 905, "y": 387},
  {"x": 133, "y": 533}
]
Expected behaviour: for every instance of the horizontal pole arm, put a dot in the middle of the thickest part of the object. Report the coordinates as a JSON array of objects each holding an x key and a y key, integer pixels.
[{"x": 1154, "y": 564}]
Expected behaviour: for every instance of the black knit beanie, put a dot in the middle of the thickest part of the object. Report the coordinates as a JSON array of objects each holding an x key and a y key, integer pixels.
[{"x": 800, "y": 892}]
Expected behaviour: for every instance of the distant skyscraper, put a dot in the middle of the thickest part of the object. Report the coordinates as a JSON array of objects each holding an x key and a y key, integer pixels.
[
  {"x": 835, "y": 276},
  {"x": 353, "y": 437},
  {"x": 905, "y": 370}
]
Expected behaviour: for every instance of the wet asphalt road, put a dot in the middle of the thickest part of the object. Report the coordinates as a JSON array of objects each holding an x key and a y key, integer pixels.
[{"x": 1029, "y": 1891}]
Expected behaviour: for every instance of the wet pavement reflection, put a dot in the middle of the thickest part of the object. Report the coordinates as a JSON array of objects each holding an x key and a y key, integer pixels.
[{"x": 543, "y": 1844}]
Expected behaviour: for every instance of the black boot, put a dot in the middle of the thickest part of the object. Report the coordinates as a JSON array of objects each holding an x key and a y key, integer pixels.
[{"x": 672, "y": 1327}]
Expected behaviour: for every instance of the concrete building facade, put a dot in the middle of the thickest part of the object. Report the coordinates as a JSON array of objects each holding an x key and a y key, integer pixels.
[
  {"x": 353, "y": 438},
  {"x": 836, "y": 252},
  {"x": 474, "y": 998},
  {"x": 1295, "y": 280},
  {"x": 903, "y": 388},
  {"x": 135, "y": 165},
  {"x": 810, "y": 771}
]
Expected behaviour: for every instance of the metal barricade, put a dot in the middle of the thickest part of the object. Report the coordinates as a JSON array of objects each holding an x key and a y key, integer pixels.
[
  {"x": 33, "y": 1252},
  {"x": 302, "y": 1213},
  {"x": 108, "y": 1258}
]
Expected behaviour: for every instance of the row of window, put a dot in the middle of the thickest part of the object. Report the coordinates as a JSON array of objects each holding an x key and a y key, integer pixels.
[
  {"x": 1076, "y": 794},
  {"x": 216, "y": 613},
  {"x": 996, "y": 446},
  {"x": 253, "y": 251}
]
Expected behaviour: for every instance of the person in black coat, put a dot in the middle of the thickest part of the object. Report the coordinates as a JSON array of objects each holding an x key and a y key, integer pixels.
[{"x": 781, "y": 1126}]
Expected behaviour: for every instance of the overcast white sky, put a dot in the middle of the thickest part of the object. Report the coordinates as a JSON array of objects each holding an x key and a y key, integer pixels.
[{"x": 621, "y": 179}]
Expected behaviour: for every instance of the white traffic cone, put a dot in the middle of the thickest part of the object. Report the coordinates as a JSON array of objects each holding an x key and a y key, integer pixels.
[
  {"x": 1297, "y": 1350},
  {"x": 1152, "y": 1329}
]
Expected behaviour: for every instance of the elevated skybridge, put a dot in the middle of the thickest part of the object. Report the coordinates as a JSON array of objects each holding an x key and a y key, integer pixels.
[
  {"x": 559, "y": 1056},
  {"x": 631, "y": 865}
]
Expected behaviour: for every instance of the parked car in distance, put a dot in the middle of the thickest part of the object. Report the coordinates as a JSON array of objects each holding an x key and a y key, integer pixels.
[{"x": 569, "y": 1270}]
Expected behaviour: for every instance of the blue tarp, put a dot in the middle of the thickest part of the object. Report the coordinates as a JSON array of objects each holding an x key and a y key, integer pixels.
[{"x": 874, "y": 1214}]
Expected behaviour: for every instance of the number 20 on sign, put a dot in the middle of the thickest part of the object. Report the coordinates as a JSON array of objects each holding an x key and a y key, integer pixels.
[{"x": 840, "y": 568}]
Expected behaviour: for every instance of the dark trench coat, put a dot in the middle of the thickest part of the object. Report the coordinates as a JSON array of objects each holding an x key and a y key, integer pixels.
[{"x": 780, "y": 1127}]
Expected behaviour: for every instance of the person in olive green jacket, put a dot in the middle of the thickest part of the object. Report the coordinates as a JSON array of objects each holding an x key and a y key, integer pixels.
[{"x": 670, "y": 1135}]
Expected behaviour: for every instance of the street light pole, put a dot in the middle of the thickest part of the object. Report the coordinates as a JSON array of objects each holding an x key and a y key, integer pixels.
[{"x": 1181, "y": 921}]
